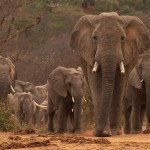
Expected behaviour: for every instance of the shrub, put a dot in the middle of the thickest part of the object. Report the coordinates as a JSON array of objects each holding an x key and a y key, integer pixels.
[{"x": 7, "y": 121}]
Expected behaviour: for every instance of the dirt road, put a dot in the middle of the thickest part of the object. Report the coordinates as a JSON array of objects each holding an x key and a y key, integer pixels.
[{"x": 84, "y": 141}]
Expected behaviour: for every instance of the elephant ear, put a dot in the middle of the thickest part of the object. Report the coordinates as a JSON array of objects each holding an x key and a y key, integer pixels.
[
  {"x": 137, "y": 38},
  {"x": 134, "y": 79},
  {"x": 81, "y": 39},
  {"x": 19, "y": 86},
  {"x": 13, "y": 72},
  {"x": 57, "y": 80}
]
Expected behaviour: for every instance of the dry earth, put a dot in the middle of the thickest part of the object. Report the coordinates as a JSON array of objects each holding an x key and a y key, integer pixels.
[{"x": 83, "y": 141}]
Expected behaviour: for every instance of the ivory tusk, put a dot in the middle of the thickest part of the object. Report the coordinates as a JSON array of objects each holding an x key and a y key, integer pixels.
[
  {"x": 13, "y": 90},
  {"x": 122, "y": 67},
  {"x": 72, "y": 110},
  {"x": 95, "y": 67},
  {"x": 84, "y": 99},
  {"x": 43, "y": 107},
  {"x": 42, "y": 119},
  {"x": 141, "y": 80},
  {"x": 73, "y": 99}
]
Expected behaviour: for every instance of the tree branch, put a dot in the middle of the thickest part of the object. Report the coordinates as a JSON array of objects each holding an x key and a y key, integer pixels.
[{"x": 3, "y": 41}]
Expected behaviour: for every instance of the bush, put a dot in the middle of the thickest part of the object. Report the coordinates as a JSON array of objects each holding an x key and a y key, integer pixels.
[{"x": 7, "y": 121}]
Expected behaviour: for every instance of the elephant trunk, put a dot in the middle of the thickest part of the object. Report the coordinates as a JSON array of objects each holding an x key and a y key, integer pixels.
[
  {"x": 5, "y": 84},
  {"x": 108, "y": 66},
  {"x": 77, "y": 114}
]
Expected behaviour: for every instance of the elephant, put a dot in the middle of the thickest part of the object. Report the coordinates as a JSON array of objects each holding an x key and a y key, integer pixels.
[
  {"x": 39, "y": 93},
  {"x": 137, "y": 96},
  {"x": 8, "y": 75},
  {"x": 107, "y": 47},
  {"x": 43, "y": 114},
  {"x": 23, "y": 106},
  {"x": 65, "y": 93}
]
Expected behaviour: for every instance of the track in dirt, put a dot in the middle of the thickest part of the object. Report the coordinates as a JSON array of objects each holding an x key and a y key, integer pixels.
[{"x": 73, "y": 142}]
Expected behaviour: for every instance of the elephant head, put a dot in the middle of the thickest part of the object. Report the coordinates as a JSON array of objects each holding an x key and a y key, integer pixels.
[
  {"x": 21, "y": 86},
  {"x": 107, "y": 42},
  {"x": 8, "y": 76},
  {"x": 140, "y": 73},
  {"x": 68, "y": 83},
  {"x": 140, "y": 77}
]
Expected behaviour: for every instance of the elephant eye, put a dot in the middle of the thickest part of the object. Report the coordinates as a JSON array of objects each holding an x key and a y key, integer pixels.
[
  {"x": 139, "y": 67},
  {"x": 122, "y": 38},
  {"x": 69, "y": 84},
  {"x": 94, "y": 37}
]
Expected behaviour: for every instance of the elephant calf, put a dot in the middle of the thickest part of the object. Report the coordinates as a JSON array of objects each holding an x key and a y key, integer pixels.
[
  {"x": 23, "y": 106},
  {"x": 137, "y": 97},
  {"x": 65, "y": 92}
]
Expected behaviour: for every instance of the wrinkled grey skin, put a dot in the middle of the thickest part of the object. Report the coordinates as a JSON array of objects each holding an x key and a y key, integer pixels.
[
  {"x": 39, "y": 93},
  {"x": 43, "y": 114},
  {"x": 23, "y": 106},
  {"x": 137, "y": 97},
  {"x": 108, "y": 39},
  {"x": 63, "y": 84},
  {"x": 8, "y": 76}
]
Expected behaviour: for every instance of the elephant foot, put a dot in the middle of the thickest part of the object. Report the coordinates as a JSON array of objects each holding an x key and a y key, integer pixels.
[
  {"x": 98, "y": 133},
  {"x": 59, "y": 132},
  {"x": 75, "y": 131},
  {"x": 136, "y": 131},
  {"x": 50, "y": 130},
  {"x": 127, "y": 130},
  {"x": 116, "y": 131}
]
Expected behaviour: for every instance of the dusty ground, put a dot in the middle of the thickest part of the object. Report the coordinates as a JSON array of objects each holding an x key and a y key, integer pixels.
[{"x": 84, "y": 141}]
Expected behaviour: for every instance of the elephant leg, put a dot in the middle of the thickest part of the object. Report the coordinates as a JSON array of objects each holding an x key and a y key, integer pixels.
[
  {"x": 127, "y": 114},
  {"x": 51, "y": 114},
  {"x": 95, "y": 82},
  {"x": 70, "y": 121},
  {"x": 18, "y": 114},
  {"x": 148, "y": 106},
  {"x": 142, "y": 114},
  {"x": 136, "y": 123},
  {"x": 36, "y": 117},
  {"x": 50, "y": 121},
  {"x": 118, "y": 93},
  {"x": 61, "y": 117},
  {"x": 45, "y": 117}
]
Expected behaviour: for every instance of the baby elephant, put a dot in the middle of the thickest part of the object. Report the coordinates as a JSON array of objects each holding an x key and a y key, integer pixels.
[
  {"x": 137, "y": 97},
  {"x": 24, "y": 106},
  {"x": 65, "y": 92}
]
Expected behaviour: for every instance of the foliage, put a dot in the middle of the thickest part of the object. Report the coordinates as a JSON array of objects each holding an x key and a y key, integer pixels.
[
  {"x": 7, "y": 122},
  {"x": 121, "y": 6},
  {"x": 21, "y": 23},
  {"x": 72, "y": 2}
]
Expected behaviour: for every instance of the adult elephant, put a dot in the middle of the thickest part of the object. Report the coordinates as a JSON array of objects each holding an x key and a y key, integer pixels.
[
  {"x": 65, "y": 92},
  {"x": 43, "y": 114},
  {"x": 137, "y": 97},
  {"x": 107, "y": 46},
  {"x": 23, "y": 106},
  {"x": 8, "y": 76}
]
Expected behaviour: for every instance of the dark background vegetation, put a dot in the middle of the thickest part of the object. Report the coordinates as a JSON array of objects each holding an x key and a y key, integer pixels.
[
  {"x": 37, "y": 38},
  {"x": 35, "y": 34}
]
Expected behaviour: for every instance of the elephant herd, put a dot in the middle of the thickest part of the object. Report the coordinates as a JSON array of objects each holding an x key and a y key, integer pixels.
[
  {"x": 114, "y": 56},
  {"x": 58, "y": 101}
]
